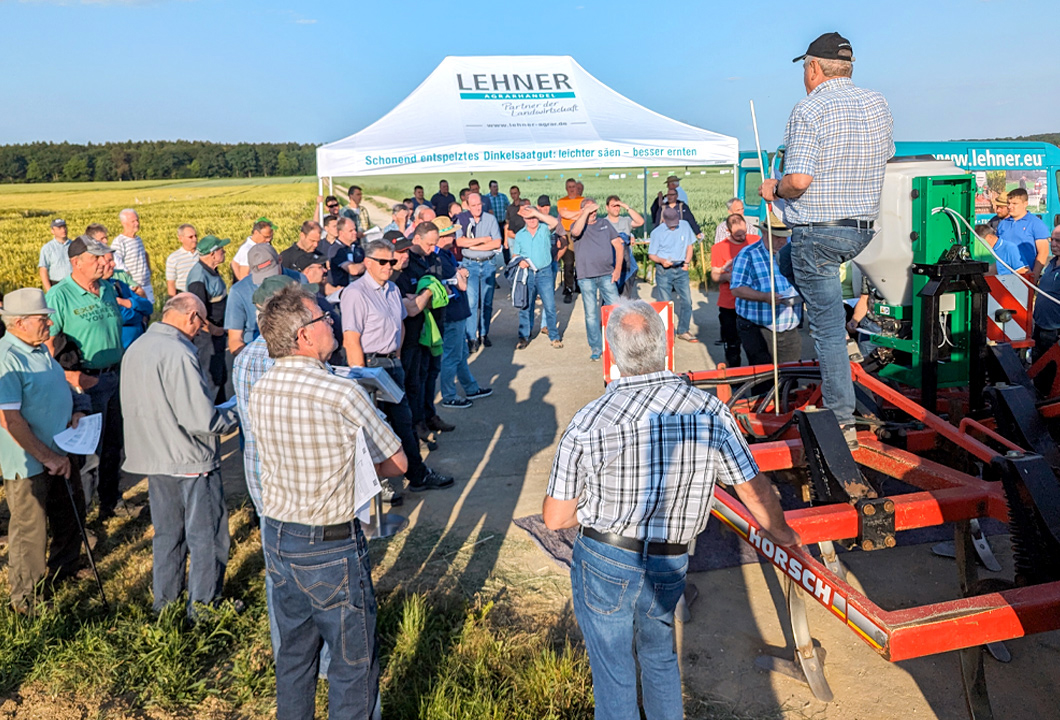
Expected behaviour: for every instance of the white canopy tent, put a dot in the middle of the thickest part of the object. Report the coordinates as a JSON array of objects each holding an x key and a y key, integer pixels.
[{"x": 519, "y": 113}]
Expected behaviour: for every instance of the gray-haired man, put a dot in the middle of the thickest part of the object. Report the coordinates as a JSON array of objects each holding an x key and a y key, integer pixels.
[
  {"x": 638, "y": 514},
  {"x": 734, "y": 206}
]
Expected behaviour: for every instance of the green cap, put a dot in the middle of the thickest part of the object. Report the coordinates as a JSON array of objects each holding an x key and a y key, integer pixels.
[
  {"x": 269, "y": 287},
  {"x": 210, "y": 243},
  {"x": 265, "y": 220}
]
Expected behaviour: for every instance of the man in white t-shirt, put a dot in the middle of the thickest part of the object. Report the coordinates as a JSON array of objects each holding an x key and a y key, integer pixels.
[
  {"x": 260, "y": 233},
  {"x": 182, "y": 260},
  {"x": 735, "y": 207},
  {"x": 130, "y": 254}
]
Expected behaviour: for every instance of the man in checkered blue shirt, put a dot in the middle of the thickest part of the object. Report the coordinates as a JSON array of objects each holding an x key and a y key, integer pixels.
[
  {"x": 755, "y": 300},
  {"x": 837, "y": 144},
  {"x": 636, "y": 469}
]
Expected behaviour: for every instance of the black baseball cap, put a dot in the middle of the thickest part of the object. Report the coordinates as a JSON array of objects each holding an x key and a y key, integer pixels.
[
  {"x": 308, "y": 259},
  {"x": 543, "y": 200},
  {"x": 392, "y": 236},
  {"x": 830, "y": 46},
  {"x": 84, "y": 244}
]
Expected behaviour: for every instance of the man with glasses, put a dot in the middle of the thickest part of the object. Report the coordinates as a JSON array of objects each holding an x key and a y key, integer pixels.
[
  {"x": 260, "y": 234},
  {"x": 173, "y": 436},
  {"x": 671, "y": 200},
  {"x": 372, "y": 313}
]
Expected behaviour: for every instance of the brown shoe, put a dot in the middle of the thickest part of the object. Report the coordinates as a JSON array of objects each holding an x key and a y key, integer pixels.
[
  {"x": 436, "y": 423},
  {"x": 557, "y": 344}
]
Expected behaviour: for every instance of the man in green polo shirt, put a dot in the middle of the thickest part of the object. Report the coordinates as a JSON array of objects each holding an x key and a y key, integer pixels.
[
  {"x": 35, "y": 405},
  {"x": 87, "y": 313}
]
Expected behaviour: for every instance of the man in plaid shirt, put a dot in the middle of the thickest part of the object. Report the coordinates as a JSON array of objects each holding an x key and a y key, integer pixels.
[
  {"x": 838, "y": 142},
  {"x": 306, "y": 422},
  {"x": 636, "y": 469},
  {"x": 755, "y": 299}
]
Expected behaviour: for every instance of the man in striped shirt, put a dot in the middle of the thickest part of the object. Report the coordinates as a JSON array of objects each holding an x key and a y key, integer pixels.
[
  {"x": 130, "y": 254},
  {"x": 182, "y": 260},
  {"x": 636, "y": 469},
  {"x": 838, "y": 141},
  {"x": 308, "y": 424}
]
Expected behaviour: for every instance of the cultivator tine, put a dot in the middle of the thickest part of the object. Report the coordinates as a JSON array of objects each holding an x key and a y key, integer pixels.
[
  {"x": 831, "y": 559},
  {"x": 982, "y": 547},
  {"x": 808, "y": 665}
]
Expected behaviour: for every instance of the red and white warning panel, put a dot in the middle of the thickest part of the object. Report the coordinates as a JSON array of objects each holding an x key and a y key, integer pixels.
[
  {"x": 1008, "y": 292},
  {"x": 666, "y": 312}
]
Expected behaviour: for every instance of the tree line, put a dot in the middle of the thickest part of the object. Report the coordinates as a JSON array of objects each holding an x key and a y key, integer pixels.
[{"x": 152, "y": 160}]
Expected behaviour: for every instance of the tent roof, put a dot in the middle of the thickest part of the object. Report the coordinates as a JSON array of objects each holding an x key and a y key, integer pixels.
[{"x": 519, "y": 113}]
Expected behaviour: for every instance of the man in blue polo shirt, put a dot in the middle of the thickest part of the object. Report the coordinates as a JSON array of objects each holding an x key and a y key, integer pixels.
[
  {"x": 1006, "y": 251},
  {"x": 345, "y": 256},
  {"x": 241, "y": 318},
  {"x": 1026, "y": 231}
]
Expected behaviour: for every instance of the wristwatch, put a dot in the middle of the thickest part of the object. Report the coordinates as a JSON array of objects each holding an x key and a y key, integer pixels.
[{"x": 776, "y": 191}]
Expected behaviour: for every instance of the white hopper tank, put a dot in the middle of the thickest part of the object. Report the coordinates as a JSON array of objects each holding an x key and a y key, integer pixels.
[{"x": 888, "y": 258}]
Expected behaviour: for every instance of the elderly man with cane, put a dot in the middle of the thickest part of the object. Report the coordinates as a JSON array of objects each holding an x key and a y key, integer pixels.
[{"x": 36, "y": 403}]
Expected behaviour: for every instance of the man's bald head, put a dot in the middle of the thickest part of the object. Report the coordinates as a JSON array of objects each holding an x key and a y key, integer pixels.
[{"x": 636, "y": 336}]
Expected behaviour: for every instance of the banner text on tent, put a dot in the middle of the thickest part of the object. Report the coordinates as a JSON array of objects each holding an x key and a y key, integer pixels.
[{"x": 536, "y": 155}]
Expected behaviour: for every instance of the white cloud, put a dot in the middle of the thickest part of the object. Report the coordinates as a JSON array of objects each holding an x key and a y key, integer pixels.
[{"x": 306, "y": 21}]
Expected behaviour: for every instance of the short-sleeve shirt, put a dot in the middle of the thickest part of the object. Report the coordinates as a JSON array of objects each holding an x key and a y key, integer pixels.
[
  {"x": 240, "y": 313},
  {"x": 375, "y": 312},
  {"x": 242, "y": 254},
  {"x": 130, "y": 255},
  {"x": 178, "y": 264},
  {"x": 340, "y": 254},
  {"x": 93, "y": 322},
  {"x": 568, "y": 204},
  {"x": 1010, "y": 254},
  {"x": 458, "y": 308},
  {"x": 305, "y": 421},
  {"x": 841, "y": 135},
  {"x": 31, "y": 382},
  {"x": 1023, "y": 233},
  {"x": 514, "y": 220},
  {"x": 290, "y": 257},
  {"x": 485, "y": 226},
  {"x": 720, "y": 254},
  {"x": 441, "y": 203},
  {"x": 670, "y": 244},
  {"x": 596, "y": 255},
  {"x": 622, "y": 224},
  {"x": 208, "y": 285},
  {"x": 643, "y": 458},
  {"x": 751, "y": 270},
  {"x": 53, "y": 255},
  {"x": 537, "y": 248}
]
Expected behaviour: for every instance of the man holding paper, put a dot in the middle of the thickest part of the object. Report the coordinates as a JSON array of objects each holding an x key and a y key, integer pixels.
[
  {"x": 306, "y": 422},
  {"x": 36, "y": 403},
  {"x": 172, "y": 434}
]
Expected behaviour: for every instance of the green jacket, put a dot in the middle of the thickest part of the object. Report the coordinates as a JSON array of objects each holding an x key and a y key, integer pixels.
[{"x": 431, "y": 336}]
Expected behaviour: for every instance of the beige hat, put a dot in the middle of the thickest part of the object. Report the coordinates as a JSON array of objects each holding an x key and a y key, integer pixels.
[{"x": 27, "y": 301}]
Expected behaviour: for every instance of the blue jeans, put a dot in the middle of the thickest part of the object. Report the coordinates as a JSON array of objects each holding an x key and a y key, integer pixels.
[
  {"x": 454, "y": 361},
  {"x": 591, "y": 306},
  {"x": 811, "y": 261},
  {"x": 191, "y": 523},
  {"x": 674, "y": 281},
  {"x": 543, "y": 283},
  {"x": 480, "y": 286},
  {"x": 322, "y": 593},
  {"x": 623, "y": 600},
  {"x": 274, "y": 629}
]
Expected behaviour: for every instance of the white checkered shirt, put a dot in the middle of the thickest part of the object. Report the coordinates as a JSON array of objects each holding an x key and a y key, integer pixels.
[
  {"x": 304, "y": 421},
  {"x": 643, "y": 458},
  {"x": 841, "y": 135}
]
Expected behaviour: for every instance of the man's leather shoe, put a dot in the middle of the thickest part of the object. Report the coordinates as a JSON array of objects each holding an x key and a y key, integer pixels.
[{"x": 436, "y": 423}]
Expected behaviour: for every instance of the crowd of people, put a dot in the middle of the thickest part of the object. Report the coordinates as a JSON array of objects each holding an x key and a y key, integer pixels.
[{"x": 413, "y": 299}]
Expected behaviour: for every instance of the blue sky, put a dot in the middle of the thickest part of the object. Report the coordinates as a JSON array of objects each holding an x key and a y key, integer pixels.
[{"x": 316, "y": 71}]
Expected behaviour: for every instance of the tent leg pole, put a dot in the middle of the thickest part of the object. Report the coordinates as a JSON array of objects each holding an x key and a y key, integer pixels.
[
  {"x": 331, "y": 187},
  {"x": 645, "y": 230},
  {"x": 320, "y": 204}
]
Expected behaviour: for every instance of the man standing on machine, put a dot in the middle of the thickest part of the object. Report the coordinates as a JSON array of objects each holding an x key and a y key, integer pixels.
[{"x": 838, "y": 140}]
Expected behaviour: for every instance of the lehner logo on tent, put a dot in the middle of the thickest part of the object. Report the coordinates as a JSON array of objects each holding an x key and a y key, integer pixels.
[{"x": 528, "y": 86}]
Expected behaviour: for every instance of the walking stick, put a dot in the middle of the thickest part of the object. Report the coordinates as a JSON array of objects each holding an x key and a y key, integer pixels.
[
  {"x": 84, "y": 539},
  {"x": 772, "y": 277},
  {"x": 702, "y": 269}
]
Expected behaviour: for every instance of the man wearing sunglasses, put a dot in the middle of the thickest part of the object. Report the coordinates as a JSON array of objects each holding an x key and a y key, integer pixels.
[
  {"x": 372, "y": 311},
  {"x": 172, "y": 435}
]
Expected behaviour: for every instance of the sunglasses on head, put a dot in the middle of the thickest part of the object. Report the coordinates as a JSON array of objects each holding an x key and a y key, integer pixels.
[{"x": 391, "y": 261}]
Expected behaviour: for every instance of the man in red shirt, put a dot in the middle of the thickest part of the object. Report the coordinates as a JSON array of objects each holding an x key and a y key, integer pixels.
[{"x": 721, "y": 256}]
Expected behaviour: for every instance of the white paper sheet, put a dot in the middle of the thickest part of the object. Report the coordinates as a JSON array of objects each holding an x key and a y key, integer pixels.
[
  {"x": 365, "y": 481},
  {"x": 83, "y": 439}
]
